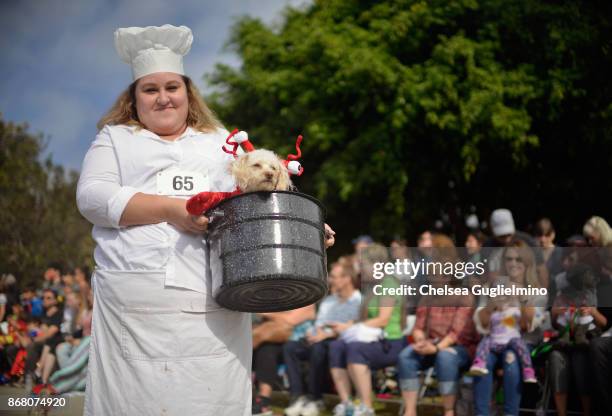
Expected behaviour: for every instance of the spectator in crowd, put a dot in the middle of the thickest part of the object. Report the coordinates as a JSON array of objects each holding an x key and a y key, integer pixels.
[
  {"x": 598, "y": 234},
  {"x": 373, "y": 343},
  {"x": 32, "y": 304},
  {"x": 8, "y": 282},
  {"x": 269, "y": 335},
  {"x": 399, "y": 249},
  {"x": 518, "y": 264},
  {"x": 544, "y": 233},
  {"x": 473, "y": 245},
  {"x": 72, "y": 355},
  {"x": 359, "y": 243},
  {"x": 571, "y": 359},
  {"x": 53, "y": 278},
  {"x": 49, "y": 337},
  {"x": 443, "y": 337},
  {"x": 506, "y": 234},
  {"x": 3, "y": 301},
  {"x": 601, "y": 359},
  {"x": 340, "y": 307}
]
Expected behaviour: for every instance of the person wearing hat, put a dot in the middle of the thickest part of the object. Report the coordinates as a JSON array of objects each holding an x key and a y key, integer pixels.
[{"x": 160, "y": 343}]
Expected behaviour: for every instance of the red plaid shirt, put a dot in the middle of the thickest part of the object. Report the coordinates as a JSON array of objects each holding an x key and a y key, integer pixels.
[{"x": 453, "y": 321}]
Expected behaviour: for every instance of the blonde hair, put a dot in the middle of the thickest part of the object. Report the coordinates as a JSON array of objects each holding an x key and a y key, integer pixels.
[
  {"x": 598, "y": 227},
  {"x": 123, "y": 111},
  {"x": 526, "y": 253}
]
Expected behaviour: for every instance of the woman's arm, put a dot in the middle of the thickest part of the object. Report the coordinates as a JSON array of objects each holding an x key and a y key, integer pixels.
[
  {"x": 104, "y": 201},
  {"x": 383, "y": 318},
  {"x": 152, "y": 209}
]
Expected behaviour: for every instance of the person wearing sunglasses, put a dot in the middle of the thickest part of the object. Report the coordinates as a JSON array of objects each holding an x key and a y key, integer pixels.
[
  {"x": 518, "y": 267},
  {"x": 46, "y": 341}
]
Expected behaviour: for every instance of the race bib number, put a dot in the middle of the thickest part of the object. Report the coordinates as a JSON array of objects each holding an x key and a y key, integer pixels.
[{"x": 181, "y": 182}]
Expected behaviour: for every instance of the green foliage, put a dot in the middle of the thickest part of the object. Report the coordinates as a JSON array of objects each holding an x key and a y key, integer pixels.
[
  {"x": 397, "y": 99},
  {"x": 39, "y": 221}
]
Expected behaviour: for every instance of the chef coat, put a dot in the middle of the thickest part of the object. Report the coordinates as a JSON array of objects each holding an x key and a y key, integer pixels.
[{"x": 124, "y": 160}]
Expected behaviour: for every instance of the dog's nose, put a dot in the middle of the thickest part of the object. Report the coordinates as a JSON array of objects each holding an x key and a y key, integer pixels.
[{"x": 269, "y": 175}]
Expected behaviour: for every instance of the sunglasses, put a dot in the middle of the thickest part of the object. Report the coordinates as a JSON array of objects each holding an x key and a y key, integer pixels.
[{"x": 517, "y": 259}]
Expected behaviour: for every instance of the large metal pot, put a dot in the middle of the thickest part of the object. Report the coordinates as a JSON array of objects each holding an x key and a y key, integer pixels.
[{"x": 267, "y": 251}]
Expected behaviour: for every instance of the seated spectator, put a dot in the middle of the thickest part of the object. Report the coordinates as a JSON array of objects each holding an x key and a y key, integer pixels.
[
  {"x": 518, "y": 264},
  {"x": 72, "y": 355},
  {"x": 508, "y": 315},
  {"x": 571, "y": 360},
  {"x": 269, "y": 335},
  {"x": 601, "y": 365},
  {"x": 341, "y": 306},
  {"x": 49, "y": 337},
  {"x": 544, "y": 233},
  {"x": 443, "y": 337},
  {"x": 32, "y": 304},
  {"x": 506, "y": 234},
  {"x": 373, "y": 343}
]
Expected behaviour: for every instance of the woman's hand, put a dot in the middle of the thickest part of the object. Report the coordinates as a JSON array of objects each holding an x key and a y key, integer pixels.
[
  {"x": 177, "y": 215},
  {"x": 339, "y": 327},
  {"x": 329, "y": 236},
  {"x": 425, "y": 347}
]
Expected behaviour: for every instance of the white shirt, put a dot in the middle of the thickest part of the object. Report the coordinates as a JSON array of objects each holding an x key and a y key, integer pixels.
[{"x": 123, "y": 161}]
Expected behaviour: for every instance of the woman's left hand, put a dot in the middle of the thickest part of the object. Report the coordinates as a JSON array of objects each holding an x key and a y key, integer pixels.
[
  {"x": 425, "y": 348},
  {"x": 329, "y": 236}
]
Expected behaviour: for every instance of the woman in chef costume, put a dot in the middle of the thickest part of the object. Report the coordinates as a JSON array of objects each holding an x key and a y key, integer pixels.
[{"x": 160, "y": 344}]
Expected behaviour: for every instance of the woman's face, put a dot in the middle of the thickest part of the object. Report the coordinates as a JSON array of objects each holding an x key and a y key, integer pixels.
[
  {"x": 515, "y": 265},
  {"x": 472, "y": 244},
  {"x": 162, "y": 104}
]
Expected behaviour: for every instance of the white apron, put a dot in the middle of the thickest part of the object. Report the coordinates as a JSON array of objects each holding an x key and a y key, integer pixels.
[{"x": 159, "y": 350}]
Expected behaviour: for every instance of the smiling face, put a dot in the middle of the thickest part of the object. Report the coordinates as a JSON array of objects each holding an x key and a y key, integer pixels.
[
  {"x": 514, "y": 264},
  {"x": 260, "y": 170},
  {"x": 162, "y": 104}
]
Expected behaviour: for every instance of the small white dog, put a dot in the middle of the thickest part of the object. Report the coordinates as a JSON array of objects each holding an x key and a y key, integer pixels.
[{"x": 261, "y": 170}]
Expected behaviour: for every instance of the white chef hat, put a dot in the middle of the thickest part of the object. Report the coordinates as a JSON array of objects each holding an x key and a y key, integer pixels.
[{"x": 153, "y": 48}]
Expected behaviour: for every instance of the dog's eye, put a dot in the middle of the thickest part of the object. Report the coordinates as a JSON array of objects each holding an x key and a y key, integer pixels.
[
  {"x": 257, "y": 165},
  {"x": 273, "y": 167}
]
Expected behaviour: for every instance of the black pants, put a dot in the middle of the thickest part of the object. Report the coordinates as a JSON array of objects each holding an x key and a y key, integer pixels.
[
  {"x": 573, "y": 364},
  {"x": 601, "y": 357},
  {"x": 294, "y": 352},
  {"x": 34, "y": 350},
  {"x": 265, "y": 363}
]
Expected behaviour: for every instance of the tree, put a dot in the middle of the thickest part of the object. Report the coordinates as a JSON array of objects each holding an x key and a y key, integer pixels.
[
  {"x": 415, "y": 110},
  {"x": 39, "y": 221}
]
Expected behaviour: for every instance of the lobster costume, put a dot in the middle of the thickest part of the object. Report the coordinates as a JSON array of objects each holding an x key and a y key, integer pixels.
[{"x": 204, "y": 201}]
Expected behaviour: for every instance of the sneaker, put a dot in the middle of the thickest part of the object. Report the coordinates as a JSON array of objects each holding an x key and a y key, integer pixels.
[
  {"x": 343, "y": 409},
  {"x": 261, "y": 406},
  {"x": 363, "y": 410},
  {"x": 479, "y": 368},
  {"x": 296, "y": 407},
  {"x": 313, "y": 408},
  {"x": 529, "y": 376}
]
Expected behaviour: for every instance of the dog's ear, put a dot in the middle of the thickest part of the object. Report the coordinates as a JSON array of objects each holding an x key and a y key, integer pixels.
[{"x": 238, "y": 169}]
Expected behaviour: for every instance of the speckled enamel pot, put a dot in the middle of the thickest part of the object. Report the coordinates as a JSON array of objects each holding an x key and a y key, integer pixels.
[{"x": 269, "y": 249}]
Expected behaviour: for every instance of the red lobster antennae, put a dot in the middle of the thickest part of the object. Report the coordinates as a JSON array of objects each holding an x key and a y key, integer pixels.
[
  {"x": 297, "y": 147},
  {"x": 232, "y": 143},
  {"x": 291, "y": 163}
]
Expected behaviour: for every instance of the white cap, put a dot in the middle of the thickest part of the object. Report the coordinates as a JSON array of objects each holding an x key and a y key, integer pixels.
[
  {"x": 502, "y": 222},
  {"x": 153, "y": 48}
]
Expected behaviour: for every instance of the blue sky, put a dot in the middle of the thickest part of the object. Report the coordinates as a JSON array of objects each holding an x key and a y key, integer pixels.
[{"x": 60, "y": 71}]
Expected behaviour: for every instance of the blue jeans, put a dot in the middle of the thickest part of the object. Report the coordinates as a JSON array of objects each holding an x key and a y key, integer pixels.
[
  {"x": 294, "y": 352},
  {"x": 512, "y": 384},
  {"x": 448, "y": 364}
]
